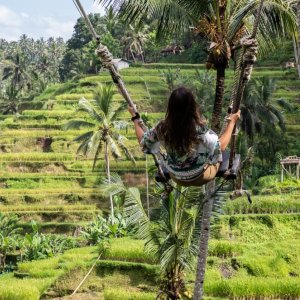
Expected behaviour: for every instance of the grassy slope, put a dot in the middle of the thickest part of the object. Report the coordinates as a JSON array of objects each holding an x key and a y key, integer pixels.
[
  {"x": 239, "y": 266},
  {"x": 257, "y": 253}
]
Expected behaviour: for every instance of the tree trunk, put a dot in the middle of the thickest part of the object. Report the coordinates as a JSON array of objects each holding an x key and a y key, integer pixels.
[
  {"x": 133, "y": 56},
  {"x": 203, "y": 247},
  {"x": 147, "y": 188},
  {"x": 298, "y": 48},
  {"x": 210, "y": 187},
  {"x": 108, "y": 177},
  {"x": 220, "y": 88}
]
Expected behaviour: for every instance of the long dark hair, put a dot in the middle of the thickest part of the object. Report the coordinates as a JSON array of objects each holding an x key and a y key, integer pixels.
[{"x": 182, "y": 116}]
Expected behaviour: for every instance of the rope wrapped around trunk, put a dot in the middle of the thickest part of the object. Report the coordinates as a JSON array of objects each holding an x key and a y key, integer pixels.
[
  {"x": 243, "y": 73},
  {"x": 250, "y": 58},
  {"x": 105, "y": 55}
]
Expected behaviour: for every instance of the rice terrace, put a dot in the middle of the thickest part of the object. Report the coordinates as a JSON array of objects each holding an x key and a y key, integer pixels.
[{"x": 149, "y": 149}]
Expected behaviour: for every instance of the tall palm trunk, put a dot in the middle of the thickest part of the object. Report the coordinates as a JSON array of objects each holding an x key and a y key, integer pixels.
[
  {"x": 298, "y": 48},
  {"x": 108, "y": 177},
  {"x": 204, "y": 238},
  {"x": 220, "y": 89},
  {"x": 210, "y": 187},
  {"x": 147, "y": 188},
  {"x": 132, "y": 55}
]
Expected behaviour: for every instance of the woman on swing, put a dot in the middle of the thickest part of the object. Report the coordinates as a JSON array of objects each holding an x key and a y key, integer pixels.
[{"x": 194, "y": 152}]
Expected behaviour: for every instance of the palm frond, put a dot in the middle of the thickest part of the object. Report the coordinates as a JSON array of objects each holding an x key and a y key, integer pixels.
[
  {"x": 94, "y": 141},
  {"x": 277, "y": 20},
  {"x": 135, "y": 213},
  {"x": 85, "y": 105},
  {"x": 113, "y": 147},
  {"x": 286, "y": 105},
  {"x": 104, "y": 97},
  {"x": 171, "y": 15},
  {"x": 119, "y": 125},
  {"x": 77, "y": 124},
  {"x": 84, "y": 137},
  {"x": 84, "y": 147},
  {"x": 112, "y": 186},
  {"x": 118, "y": 111},
  {"x": 278, "y": 115},
  {"x": 119, "y": 141}
]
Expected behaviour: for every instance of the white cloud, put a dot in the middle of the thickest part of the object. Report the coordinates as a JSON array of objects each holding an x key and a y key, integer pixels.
[
  {"x": 24, "y": 15},
  {"x": 9, "y": 18},
  {"x": 14, "y": 24},
  {"x": 10, "y": 24},
  {"x": 52, "y": 27}
]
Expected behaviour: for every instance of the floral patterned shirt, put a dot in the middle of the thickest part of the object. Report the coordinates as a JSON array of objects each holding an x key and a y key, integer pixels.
[{"x": 206, "y": 152}]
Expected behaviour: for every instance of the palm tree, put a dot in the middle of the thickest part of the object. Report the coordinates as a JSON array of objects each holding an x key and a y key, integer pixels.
[
  {"x": 263, "y": 119},
  {"x": 259, "y": 110},
  {"x": 222, "y": 23},
  {"x": 16, "y": 68},
  {"x": 134, "y": 40},
  {"x": 172, "y": 239},
  {"x": 297, "y": 40},
  {"x": 111, "y": 21},
  {"x": 9, "y": 100},
  {"x": 105, "y": 130}
]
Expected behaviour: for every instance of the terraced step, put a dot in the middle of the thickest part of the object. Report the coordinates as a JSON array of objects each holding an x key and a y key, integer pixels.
[
  {"x": 49, "y": 191},
  {"x": 55, "y": 227},
  {"x": 265, "y": 204},
  {"x": 70, "y": 216},
  {"x": 48, "y": 208},
  {"x": 36, "y": 157}
]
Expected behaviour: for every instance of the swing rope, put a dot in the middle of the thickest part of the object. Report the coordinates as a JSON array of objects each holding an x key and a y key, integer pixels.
[
  {"x": 244, "y": 69},
  {"x": 107, "y": 59},
  {"x": 243, "y": 73}
]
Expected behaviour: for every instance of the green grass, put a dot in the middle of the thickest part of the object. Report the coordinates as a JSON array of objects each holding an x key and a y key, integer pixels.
[
  {"x": 252, "y": 287},
  {"x": 74, "y": 96},
  {"x": 127, "y": 249},
  {"x": 150, "y": 271},
  {"x": 269, "y": 204},
  {"x": 54, "y": 227},
  {"x": 272, "y": 185},
  {"x": 36, "y": 157},
  {"x": 42, "y": 274},
  {"x": 49, "y": 208},
  {"x": 255, "y": 228},
  {"x": 258, "y": 246},
  {"x": 119, "y": 294}
]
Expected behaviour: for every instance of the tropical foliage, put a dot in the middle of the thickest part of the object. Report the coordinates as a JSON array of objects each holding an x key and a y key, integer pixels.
[
  {"x": 171, "y": 232},
  {"x": 105, "y": 129}
]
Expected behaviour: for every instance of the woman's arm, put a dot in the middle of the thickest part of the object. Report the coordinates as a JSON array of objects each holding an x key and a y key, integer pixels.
[
  {"x": 138, "y": 130},
  {"x": 226, "y": 136}
]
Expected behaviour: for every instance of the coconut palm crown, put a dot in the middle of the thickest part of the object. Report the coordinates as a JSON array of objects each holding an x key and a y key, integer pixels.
[
  {"x": 171, "y": 233},
  {"x": 104, "y": 120},
  {"x": 221, "y": 22},
  {"x": 104, "y": 135}
]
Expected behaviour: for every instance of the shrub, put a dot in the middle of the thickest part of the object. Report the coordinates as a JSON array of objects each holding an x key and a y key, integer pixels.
[
  {"x": 39, "y": 246},
  {"x": 102, "y": 228}
]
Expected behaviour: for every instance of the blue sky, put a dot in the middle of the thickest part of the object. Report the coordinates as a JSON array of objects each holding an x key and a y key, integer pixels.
[{"x": 40, "y": 18}]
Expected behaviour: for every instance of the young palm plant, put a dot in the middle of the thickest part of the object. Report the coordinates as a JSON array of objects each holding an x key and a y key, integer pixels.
[
  {"x": 104, "y": 136},
  {"x": 171, "y": 236}
]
